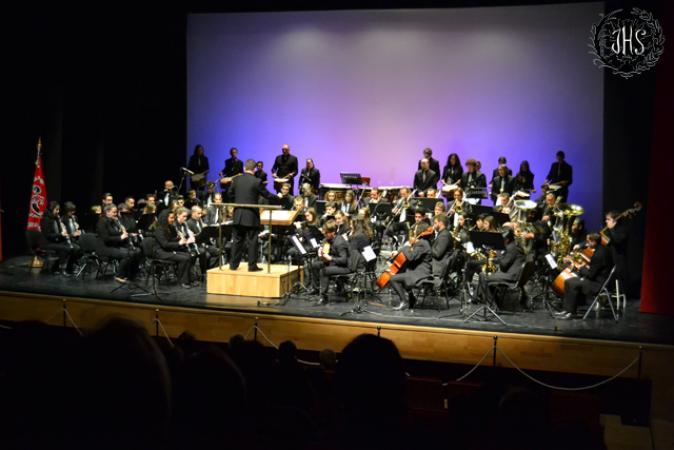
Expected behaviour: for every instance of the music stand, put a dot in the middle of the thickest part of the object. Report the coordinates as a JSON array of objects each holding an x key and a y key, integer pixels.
[
  {"x": 216, "y": 232},
  {"x": 369, "y": 256},
  {"x": 351, "y": 178},
  {"x": 492, "y": 241},
  {"x": 320, "y": 207},
  {"x": 428, "y": 204},
  {"x": 380, "y": 209}
]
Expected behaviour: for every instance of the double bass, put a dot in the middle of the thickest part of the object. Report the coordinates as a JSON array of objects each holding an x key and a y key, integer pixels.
[
  {"x": 627, "y": 213},
  {"x": 398, "y": 261}
]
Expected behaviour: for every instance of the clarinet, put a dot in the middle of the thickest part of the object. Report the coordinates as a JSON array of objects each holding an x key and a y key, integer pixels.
[
  {"x": 193, "y": 250},
  {"x": 123, "y": 230},
  {"x": 62, "y": 227}
]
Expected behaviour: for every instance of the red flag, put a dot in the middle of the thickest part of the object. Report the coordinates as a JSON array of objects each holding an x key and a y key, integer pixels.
[{"x": 38, "y": 198}]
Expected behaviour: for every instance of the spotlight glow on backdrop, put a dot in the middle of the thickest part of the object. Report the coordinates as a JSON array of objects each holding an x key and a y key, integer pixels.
[{"x": 366, "y": 91}]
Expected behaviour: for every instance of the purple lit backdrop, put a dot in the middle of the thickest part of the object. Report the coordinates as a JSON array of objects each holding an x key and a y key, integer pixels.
[{"x": 365, "y": 91}]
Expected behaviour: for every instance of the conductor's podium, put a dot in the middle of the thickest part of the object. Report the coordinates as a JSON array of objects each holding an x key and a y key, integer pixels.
[{"x": 240, "y": 282}]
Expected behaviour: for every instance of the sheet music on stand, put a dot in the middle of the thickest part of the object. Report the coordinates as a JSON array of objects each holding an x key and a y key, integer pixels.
[{"x": 368, "y": 253}]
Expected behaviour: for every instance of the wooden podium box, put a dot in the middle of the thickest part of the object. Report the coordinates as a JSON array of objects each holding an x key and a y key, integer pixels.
[{"x": 252, "y": 284}]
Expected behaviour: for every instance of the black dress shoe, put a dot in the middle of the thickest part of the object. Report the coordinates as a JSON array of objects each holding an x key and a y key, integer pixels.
[
  {"x": 254, "y": 269},
  {"x": 402, "y": 306},
  {"x": 186, "y": 285},
  {"x": 233, "y": 267},
  {"x": 312, "y": 292},
  {"x": 564, "y": 316},
  {"x": 322, "y": 300}
]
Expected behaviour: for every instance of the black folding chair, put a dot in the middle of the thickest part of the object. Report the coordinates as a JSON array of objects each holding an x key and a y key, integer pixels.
[{"x": 609, "y": 298}]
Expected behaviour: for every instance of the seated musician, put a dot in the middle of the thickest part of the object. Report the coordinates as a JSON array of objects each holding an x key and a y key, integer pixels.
[
  {"x": 578, "y": 234},
  {"x": 308, "y": 196},
  {"x": 131, "y": 206},
  {"x": 502, "y": 203},
  {"x": 439, "y": 208},
  {"x": 502, "y": 183},
  {"x": 285, "y": 199},
  {"x": 589, "y": 280},
  {"x": 55, "y": 238},
  {"x": 330, "y": 211},
  {"x": 425, "y": 178},
  {"x": 442, "y": 245},
  {"x": 458, "y": 206},
  {"x": 349, "y": 205},
  {"x": 192, "y": 199},
  {"x": 431, "y": 193},
  {"x": 418, "y": 266},
  {"x": 488, "y": 224},
  {"x": 333, "y": 259},
  {"x": 509, "y": 263},
  {"x": 402, "y": 215},
  {"x": 298, "y": 205},
  {"x": 343, "y": 223},
  {"x": 71, "y": 223},
  {"x": 360, "y": 236},
  {"x": 173, "y": 247},
  {"x": 374, "y": 197},
  {"x": 207, "y": 196},
  {"x": 421, "y": 221},
  {"x": 216, "y": 214},
  {"x": 126, "y": 218},
  {"x": 208, "y": 252},
  {"x": 117, "y": 244}
]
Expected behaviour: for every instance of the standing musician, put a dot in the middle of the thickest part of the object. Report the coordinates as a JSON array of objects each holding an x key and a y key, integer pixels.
[
  {"x": 233, "y": 167},
  {"x": 70, "y": 221},
  {"x": 425, "y": 178},
  {"x": 502, "y": 183},
  {"x": 418, "y": 266},
  {"x": 168, "y": 195},
  {"x": 311, "y": 175},
  {"x": 616, "y": 236},
  {"x": 589, "y": 280},
  {"x": 246, "y": 189},
  {"x": 333, "y": 259},
  {"x": 561, "y": 174},
  {"x": 285, "y": 166},
  {"x": 260, "y": 173},
  {"x": 524, "y": 180},
  {"x": 55, "y": 237},
  {"x": 173, "y": 247},
  {"x": 198, "y": 164},
  {"x": 117, "y": 244},
  {"x": 453, "y": 171},
  {"x": 472, "y": 182},
  {"x": 502, "y": 161},
  {"x": 433, "y": 164}
]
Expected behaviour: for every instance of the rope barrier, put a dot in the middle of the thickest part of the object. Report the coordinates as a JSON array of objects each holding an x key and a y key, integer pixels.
[
  {"x": 71, "y": 320},
  {"x": 467, "y": 374},
  {"x": 269, "y": 341},
  {"x": 564, "y": 388},
  {"x": 163, "y": 331}
]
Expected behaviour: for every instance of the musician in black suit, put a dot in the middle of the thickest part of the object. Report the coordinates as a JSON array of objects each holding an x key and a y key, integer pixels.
[
  {"x": 173, "y": 247},
  {"x": 308, "y": 197},
  {"x": 285, "y": 166},
  {"x": 260, "y": 173},
  {"x": 167, "y": 196},
  {"x": 246, "y": 189},
  {"x": 71, "y": 223},
  {"x": 55, "y": 237},
  {"x": 198, "y": 164},
  {"x": 418, "y": 266},
  {"x": 473, "y": 183},
  {"x": 501, "y": 162},
  {"x": 561, "y": 173},
  {"x": 617, "y": 236},
  {"x": 233, "y": 166},
  {"x": 501, "y": 183},
  {"x": 509, "y": 264},
  {"x": 206, "y": 196},
  {"x": 442, "y": 245},
  {"x": 453, "y": 171},
  {"x": 333, "y": 262},
  {"x": 117, "y": 244},
  {"x": 284, "y": 198},
  {"x": 524, "y": 180},
  {"x": 425, "y": 178},
  {"x": 433, "y": 163},
  {"x": 589, "y": 280},
  {"x": 311, "y": 175}
]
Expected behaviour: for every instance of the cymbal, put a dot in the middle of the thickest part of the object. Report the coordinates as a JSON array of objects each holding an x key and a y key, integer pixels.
[{"x": 571, "y": 209}]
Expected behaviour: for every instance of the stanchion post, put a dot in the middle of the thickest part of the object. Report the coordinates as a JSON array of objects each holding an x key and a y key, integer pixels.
[
  {"x": 493, "y": 356},
  {"x": 64, "y": 310},
  {"x": 156, "y": 322},
  {"x": 641, "y": 353},
  {"x": 255, "y": 330}
]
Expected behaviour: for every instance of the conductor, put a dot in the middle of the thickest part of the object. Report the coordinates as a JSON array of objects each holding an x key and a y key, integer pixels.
[{"x": 246, "y": 189}]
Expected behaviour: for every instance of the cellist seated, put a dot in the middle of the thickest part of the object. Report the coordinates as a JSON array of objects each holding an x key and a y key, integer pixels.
[{"x": 418, "y": 265}]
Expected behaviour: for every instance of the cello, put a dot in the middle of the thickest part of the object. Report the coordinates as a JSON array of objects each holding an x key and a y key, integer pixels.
[{"x": 398, "y": 261}]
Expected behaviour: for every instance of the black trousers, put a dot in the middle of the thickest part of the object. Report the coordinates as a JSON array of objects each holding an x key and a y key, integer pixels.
[
  {"x": 128, "y": 259},
  {"x": 576, "y": 290},
  {"x": 66, "y": 253},
  {"x": 185, "y": 263},
  {"x": 402, "y": 284},
  {"x": 240, "y": 236},
  {"x": 321, "y": 273}
]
